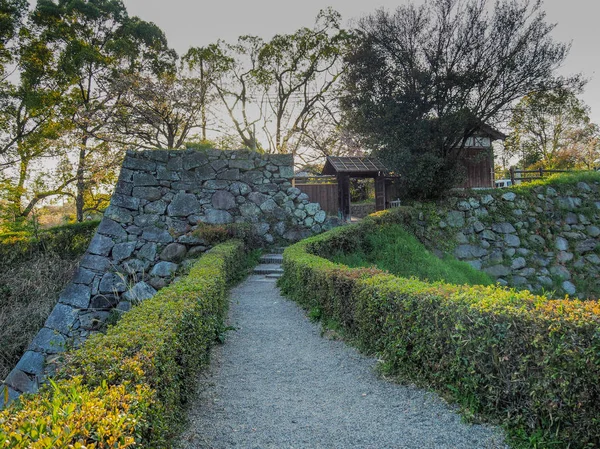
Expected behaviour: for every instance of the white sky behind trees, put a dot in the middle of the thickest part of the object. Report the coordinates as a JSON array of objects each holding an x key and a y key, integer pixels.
[{"x": 198, "y": 23}]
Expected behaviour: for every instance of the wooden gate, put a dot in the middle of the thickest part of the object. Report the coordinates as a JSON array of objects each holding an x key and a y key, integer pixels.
[{"x": 326, "y": 194}]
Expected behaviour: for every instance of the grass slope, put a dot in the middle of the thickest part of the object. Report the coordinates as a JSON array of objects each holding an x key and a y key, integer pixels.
[{"x": 390, "y": 247}]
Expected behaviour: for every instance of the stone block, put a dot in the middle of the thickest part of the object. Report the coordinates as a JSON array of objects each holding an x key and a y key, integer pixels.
[
  {"x": 154, "y": 234},
  {"x": 183, "y": 204},
  {"x": 48, "y": 341},
  {"x": 455, "y": 219},
  {"x": 497, "y": 271},
  {"x": 194, "y": 159},
  {"x": 164, "y": 269},
  {"x": 134, "y": 163},
  {"x": 125, "y": 201},
  {"x": 112, "y": 283},
  {"x": 144, "y": 179},
  {"x": 83, "y": 276},
  {"x": 223, "y": 200},
  {"x": 111, "y": 228},
  {"x": 156, "y": 207},
  {"x": 568, "y": 203},
  {"x": 320, "y": 216},
  {"x": 216, "y": 184},
  {"x": 205, "y": 173},
  {"x": 100, "y": 245},
  {"x": 164, "y": 174},
  {"x": 124, "y": 188},
  {"x": 173, "y": 252},
  {"x": 96, "y": 263},
  {"x": 569, "y": 287},
  {"x": 268, "y": 206},
  {"x": 122, "y": 251},
  {"x": 148, "y": 252},
  {"x": 518, "y": 263},
  {"x": 252, "y": 177},
  {"x": 512, "y": 240},
  {"x": 134, "y": 266},
  {"x": 286, "y": 172},
  {"x": 94, "y": 320},
  {"x": 564, "y": 256},
  {"x": 242, "y": 164},
  {"x": 21, "y": 382},
  {"x": 62, "y": 318},
  {"x": 139, "y": 292},
  {"x": 32, "y": 362},
  {"x": 147, "y": 193},
  {"x": 118, "y": 214},
  {"x": 146, "y": 220},
  {"x": 463, "y": 206},
  {"x": 586, "y": 246},
  {"x": 175, "y": 163},
  {"x": 76, "y": 295},
  {"x": 312, "y": 208},
  {"x": 503, "y": 228},
  {"x": 107, "y": 301},
  {"x": 215, "y": 216}
]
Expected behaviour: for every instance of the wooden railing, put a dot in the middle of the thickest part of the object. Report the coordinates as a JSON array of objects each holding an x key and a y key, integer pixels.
[{"x": 516, "y": 175}]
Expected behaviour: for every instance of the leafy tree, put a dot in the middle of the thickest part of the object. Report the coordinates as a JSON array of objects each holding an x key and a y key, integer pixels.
[
  {"x": 423, "y": 79},
  {"x": 12, "y": 13},
  {"x": 90, "y": 43},
  {"x": 552, "y": 129}
]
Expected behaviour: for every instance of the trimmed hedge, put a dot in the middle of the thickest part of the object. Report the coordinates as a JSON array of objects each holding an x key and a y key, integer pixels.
[
  {"x": 127, "y": 387},
  {"x": 528, "y": 362},
  {"x": 68, "y": 241}
]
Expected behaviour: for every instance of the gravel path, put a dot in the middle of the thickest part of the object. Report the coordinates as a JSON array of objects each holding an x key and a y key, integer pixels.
[{"x": 276, "y": 383}]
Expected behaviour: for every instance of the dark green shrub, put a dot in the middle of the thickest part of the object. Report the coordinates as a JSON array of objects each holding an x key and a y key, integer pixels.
[
  {"x": 215, "y": 234},
  {"x": 68, "y": 242}
]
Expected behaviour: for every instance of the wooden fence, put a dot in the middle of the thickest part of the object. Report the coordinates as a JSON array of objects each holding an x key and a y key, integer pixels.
[
  {"x": 516, "y": 175},
  {"x": 322, "y": 190}
]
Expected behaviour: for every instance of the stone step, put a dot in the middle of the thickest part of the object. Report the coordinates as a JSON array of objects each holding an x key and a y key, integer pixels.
[
  {"x": 274, "y": 275},
  {"x": 278, "y": 250},
  {"x": 268, "y": 268},
  {"x": 271, "y": 258}
]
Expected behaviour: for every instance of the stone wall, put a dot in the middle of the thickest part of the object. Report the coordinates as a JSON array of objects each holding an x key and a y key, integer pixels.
[
  {"x": 148, "y": 231},
  {"x": 362, "y": 210},
  {"x": 540, "y": 238}
]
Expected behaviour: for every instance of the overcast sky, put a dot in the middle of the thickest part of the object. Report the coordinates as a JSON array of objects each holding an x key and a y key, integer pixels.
[{"x": 193, "y": 23}]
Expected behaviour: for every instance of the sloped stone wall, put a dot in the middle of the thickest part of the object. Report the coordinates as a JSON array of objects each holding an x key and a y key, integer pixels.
[
  {"x": 147, "y": 232},
  {"x": 543, "y": 238}
]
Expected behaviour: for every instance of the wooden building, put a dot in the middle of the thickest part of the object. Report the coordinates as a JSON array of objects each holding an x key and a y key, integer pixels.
[{"x": 478, "y": 157}]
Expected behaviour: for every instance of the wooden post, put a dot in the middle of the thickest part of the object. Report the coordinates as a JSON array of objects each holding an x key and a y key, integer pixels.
[
  {"x": 344, "y": 196},
  {"x": 379, "y": 193},
  {"x": 512, "y": 175}
]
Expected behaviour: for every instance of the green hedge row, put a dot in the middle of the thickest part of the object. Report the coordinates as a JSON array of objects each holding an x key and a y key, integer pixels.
[
  {"x": 528, "y": 362},
  {"x": 126, "y": 387},
  {"x": 68, "y": 241}
]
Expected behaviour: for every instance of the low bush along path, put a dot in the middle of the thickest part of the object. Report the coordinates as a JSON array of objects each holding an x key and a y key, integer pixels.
[{"x": 276, "y": 383}]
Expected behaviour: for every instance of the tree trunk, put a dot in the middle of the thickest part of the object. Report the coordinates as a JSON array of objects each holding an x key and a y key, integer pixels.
[{"x": 80, "y": 183}]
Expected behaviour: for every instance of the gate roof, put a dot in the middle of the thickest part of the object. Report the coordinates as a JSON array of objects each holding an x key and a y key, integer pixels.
[{"x": 355, "y": 166}]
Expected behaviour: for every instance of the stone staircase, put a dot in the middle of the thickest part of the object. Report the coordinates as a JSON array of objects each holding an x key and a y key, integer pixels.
[{"x": 270, "y": 265}]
